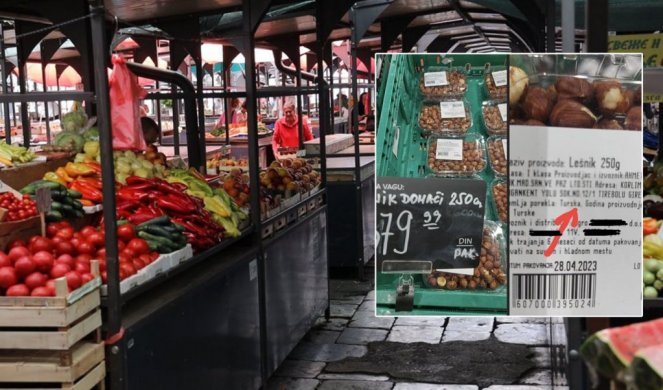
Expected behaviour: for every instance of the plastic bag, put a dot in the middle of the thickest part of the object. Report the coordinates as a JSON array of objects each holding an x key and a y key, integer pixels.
[{"x": 125, "y": 94}]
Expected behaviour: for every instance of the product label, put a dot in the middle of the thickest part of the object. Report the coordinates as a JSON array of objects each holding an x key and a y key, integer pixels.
[
  {"x": 499, "y": 78},
  {"x": 449, "y": 149},
  {"x": 43, "y": 199},
  {"x": 575, "y": 222},
  {"x": 423, "y": 224},
  {"x": 505, "y": 148},
  {"x": 394, "y": 147},
  {"x": 455, "y": 109},
  {"x": 502, "y": 108},
  {"x": 435, "y": 79}
]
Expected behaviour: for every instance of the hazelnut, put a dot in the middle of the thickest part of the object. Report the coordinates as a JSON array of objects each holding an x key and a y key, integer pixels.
[
  {"x": 451, "y": 285},
  {"x": 463, "y": 283},
  {"x": 518, "y": 81},
  {"x": 608, "y": 124},
  {"x": 472, "y": 284},
  {"x": 432, "y": 281},
  {"x": 441, "y": 281},
  {"x": 633, "y": 118},
  {"x": 499, "y": 194},
  {"x": 537, "y": 104},
  {"x": 493, "y": 120},
  {"x": 430, "y": 119},
  {"x": 494, "y": 91},
  {"x": 498, "y": 160},
  {"x": 611, "y": 97},
  {"x": 568, "y": 87},
  {"x": 473, "y": 159},
  {"x": 456, "y": 85},
  {"x": 570, "y": 113}
]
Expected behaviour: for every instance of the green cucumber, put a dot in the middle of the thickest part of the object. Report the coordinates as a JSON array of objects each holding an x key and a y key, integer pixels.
[
  {"x": 32, "y": 187},
  {"x": 154, "y": 246},
  {"x": 67, "y": 200},
  {"x": 67, "y": 209},
  {"x": 79, "y": 213},
  {"x": 54, "y": 216},
  {"x": 162, "y": 241},
  {"x": 56, "y": 205},
  {"x": 156, "y": 230},
  {"x": 77, "y": 205},
  {"x": 155, "y": 221},
  {"x": 74, "y": 194}
]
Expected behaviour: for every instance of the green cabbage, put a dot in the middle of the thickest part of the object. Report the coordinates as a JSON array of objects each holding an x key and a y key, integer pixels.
[
  {"x": 92, "y": 134},
  {"x": 74, "y": 121},
  {"x": 72, "y": 140}
]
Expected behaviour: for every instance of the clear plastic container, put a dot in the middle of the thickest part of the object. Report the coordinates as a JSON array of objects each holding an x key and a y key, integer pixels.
[
  {"x": 498, "y": 191},
  {"x": 494, "y": 115},
  {"x": 443, "y": 82},
  {"x": 495, "y": 82},
  {"x": 577, "y": 91},
  {"x": 497, "y": 149},
  {"x": 456, "y": 157},
  {"x": 445, "y": 117},
  {"x": 491, "y": 272}
]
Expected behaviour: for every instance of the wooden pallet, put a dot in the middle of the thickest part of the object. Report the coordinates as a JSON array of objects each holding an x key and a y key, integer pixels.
[{"x": 94, "y": 378}]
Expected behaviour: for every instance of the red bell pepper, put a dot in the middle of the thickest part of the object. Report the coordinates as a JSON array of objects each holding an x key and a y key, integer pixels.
[
  {"x": 176, "y": 204},
  {"x": 650, "y": 226},
  {"x": 87, "y": 191},
  {"x": 91, "y": 181},
  {"x": 95, "y": 166}
]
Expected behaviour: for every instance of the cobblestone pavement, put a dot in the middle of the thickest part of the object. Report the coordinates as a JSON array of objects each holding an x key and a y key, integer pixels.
[{"x": 353, "y": 326}]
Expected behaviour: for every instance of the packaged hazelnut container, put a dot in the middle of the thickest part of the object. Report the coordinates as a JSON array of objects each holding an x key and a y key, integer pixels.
[
  {"x": 497, "y": 148},
  {"x": 446, "y": 117},
  {"x": 441, "y": 82},
  {"x": 494, "y": 115},
  {"x": 456, "y": 157},
  {"x": 495, "y": 82},
  {"x": 498, "y": 192},
  {"x": 490, "y": 274}
]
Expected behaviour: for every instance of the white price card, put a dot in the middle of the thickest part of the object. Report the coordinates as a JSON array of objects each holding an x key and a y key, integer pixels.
[
  {"x": 505, "y": 148},
  {"x": 435, "y": 79},
  {"x": 499, "y": 78},
  {"x": 453, "y": 109},
  {"x": 575, "y": 214},
  {"x": 449, "y": 149},
  {"x": 503, "y": 111},
  {"x": 394, "y": 147}
]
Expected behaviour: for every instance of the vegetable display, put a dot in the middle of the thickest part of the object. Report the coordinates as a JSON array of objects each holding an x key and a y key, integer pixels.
[
  {"x": 17, "y": 208},
  {"x": 66, "y": 202}
]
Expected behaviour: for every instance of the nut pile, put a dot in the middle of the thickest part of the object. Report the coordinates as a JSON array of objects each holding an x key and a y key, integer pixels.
[
  {"x": 499, "y": 194},
  {"x": 493, "y": 120},
  {"x": 457, "y": 85},
  {"x": 488, "y": 275},
  {"x": 577, "y": 102},
  {"x": 473, "y": 159},
  {"x": 495, "y": 92},
  {"x": 496, "y": 155},
  {"x": 430, "y": 119}
]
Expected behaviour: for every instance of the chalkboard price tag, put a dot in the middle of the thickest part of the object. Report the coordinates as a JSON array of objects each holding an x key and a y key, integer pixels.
[
  {"x": 44, "y": 199},
  {"x": 438, "y": 220}
]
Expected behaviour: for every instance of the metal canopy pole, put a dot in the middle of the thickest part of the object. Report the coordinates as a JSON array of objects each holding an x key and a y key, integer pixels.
[
  {"x": 568, "y": 26},
  {"x": 359, "y": 224},
  {"x": 550, "y": 26},
  {"x": 43, "y": 79},
  {"x": 5, "y": 105},
  {"x": 175, "y": 107},
  {"x": 201, "y": 110},
  {"x": 25, "y": 119},
  {"x": 596, "y": 20}
]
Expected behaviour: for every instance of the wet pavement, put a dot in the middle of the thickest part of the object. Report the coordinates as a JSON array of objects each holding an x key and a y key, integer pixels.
[{"x": 356, "y": 350}]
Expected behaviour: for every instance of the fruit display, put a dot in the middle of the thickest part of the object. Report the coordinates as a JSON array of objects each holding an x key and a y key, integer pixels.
[
  {"x": 490, "y": 273},
  {"x": 646, "y": 369},
  {"x": 76, "y": 130},
  {"x": 289, "y": 176},
  {"x": 17, "y": 208},
  {"x": 129, "y": 163},
  {"x": 610, "y": 352},
  {"x": 217, "y": 162},
  {"x": 236, "y": 184},
  {"x": 578, "y": 101}
]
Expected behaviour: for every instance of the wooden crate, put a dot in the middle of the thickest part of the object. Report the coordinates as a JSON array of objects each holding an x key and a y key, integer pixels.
[{"x": 53, "y": 342}]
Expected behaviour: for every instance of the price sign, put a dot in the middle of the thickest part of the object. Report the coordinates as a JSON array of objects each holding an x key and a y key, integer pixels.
[
  {"x": 44, "y": 200},
  {"x": 499, "y": 78},
  {"x": 435, "y": 79},
  {"x": 502, "y": 108},
  {"x": 439, "y": 220}
]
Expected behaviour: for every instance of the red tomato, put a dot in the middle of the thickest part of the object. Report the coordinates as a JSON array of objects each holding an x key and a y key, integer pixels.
[
  {"x": 41, "y": 244},
  {"x": 138, "y": 263},
  {"x": 75, "y": 242},
  {"x": 97, "y": 239},
  {"x": 18, "y": 290},
  {"x": 86, "y": 277},
  {"x": 101, "y": 254},
  {"x": 128, "y": 268},
  {"x": 59, "y": 270},
  {"x": 64, "y": 247},
  {"x": 42, "y": 292},
  {"x": 85, "y": 259},
  {"x": 50, "y": 285},
  {"x": 146, "y": 258},
  {"x": 52, "y": 229},
  {"x": 128, "y": 253},
  {"x": 121, "y": 245},
  {"x": 87, "y": 231},
  {"x": 85, "y": 248},
  {"x": 8, "y": 277},
  {"x": 65, "y": 259},
  {"x": 102, "y": 265},
  {"x": 154, "y": 255},
  {"x": 4, "y": 260},
  {"x": 66, "y": 232},
  {"x": 123, "y": 259},
  {"x": 126, "y": 232},
  {"x": 15, "y": 243},
  {"x": 82, "y": 268},
  {"x": 24, "y": 266},
  {"x": 18, "y": 252},
  {"x": 73, "y": 280},
  {"x": 35, "y": 279},
  {"x": 44, "y": 261},
  {"x": 139, "y": 246},
  {"x": 78, "y": 235},
  {"x": 33, "y": 239},
  {"x": 104, "y": 277}
]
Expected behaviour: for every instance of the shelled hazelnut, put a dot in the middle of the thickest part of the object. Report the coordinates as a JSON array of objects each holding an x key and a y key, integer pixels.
[
  {"x": 457, "y": 85},
  {"x": 570, "y": 113},
  {"x": 537, "y": 104},
  {"x": 611, "y": 97},
  {"x": 498, "y": 160},
  {"x": 500, "y": 196},
  {"x": 430, "y": 119},
  {"x": 494, "y": 91},
  {"x": 633, "y": 118},
  {"x": 568, "y": 87},
  {"x": 518, "y": 81},
  {"x": 473, "y": 159},
  {"x": 608, "y": 124},
  {"x": 493, "y": 120}
]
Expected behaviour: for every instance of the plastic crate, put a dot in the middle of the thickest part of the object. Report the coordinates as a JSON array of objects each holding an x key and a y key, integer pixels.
[{"x": 399, "y": 101}]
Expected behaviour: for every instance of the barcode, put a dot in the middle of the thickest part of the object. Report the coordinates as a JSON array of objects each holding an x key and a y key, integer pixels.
[{"x": 553, "y": 286}]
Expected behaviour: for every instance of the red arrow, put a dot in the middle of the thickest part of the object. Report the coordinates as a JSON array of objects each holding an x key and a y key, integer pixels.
[{"x": 569, "y": 217}]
